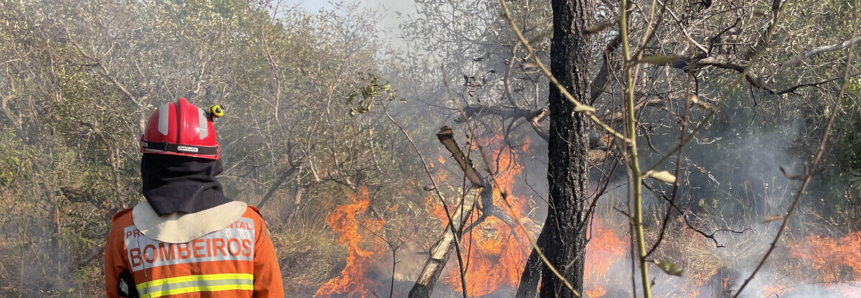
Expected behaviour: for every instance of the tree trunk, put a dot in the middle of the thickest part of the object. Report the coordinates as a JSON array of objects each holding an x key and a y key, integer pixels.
[
  {"x": 531, "y": 272},
  {"x": 564, "y": 238}
]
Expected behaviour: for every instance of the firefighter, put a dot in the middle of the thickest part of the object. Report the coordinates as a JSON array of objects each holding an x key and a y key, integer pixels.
[{"x": 187, "y": 239}]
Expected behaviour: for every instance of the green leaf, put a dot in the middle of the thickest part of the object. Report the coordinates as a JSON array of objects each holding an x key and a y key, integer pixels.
[
  {"x": 668, "y": 267},
  {"x": 658, "y": 59}
]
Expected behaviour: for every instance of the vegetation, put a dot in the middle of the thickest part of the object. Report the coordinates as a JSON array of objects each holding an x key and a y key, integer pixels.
[{"x": 723, "y": 118}]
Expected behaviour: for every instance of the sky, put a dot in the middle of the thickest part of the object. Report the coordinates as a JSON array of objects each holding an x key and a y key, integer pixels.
[{"x": 388, "y": 7}]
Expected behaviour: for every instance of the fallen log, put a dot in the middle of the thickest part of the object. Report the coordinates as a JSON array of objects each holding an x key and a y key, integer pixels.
[{"x": 441, "y": 251}]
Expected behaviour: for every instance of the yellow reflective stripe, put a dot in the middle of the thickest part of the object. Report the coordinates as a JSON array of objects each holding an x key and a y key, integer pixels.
[
  {"x": 198, "y": 289},
  {"x": 188, "y": 278}
]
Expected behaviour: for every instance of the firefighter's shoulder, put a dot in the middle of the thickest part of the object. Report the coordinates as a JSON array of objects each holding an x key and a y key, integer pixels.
[
  {"x": 252, "y": 208},
  {"x": 120, "y": 214},
  {"x": 254, "y": 213}
]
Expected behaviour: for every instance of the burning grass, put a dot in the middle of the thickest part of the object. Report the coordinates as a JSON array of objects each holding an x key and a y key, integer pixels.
[
  {"x": 362, "y": 249},
  {"x": 496, "y": 251}
]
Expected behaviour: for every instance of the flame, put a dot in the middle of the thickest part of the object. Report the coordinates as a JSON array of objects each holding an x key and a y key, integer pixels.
[
  {"x": 694, "y": 294},
  {"x": 831, "y": 259},
  {"x": 496, "y": 251},
  {"x": 353, "y": 230},
  {"x": 596, "y": 291},
  {"x": 441, "y": 176},
  {"x": 603, "y": 250},
  {"x": 773, "y": 290},
  {"x": 829, "y": 256}
]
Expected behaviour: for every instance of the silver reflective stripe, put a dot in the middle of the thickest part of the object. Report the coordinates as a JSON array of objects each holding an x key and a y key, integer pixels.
[
  {"x": 163, "y": 118},
  {"x": 202, "y": 128}
]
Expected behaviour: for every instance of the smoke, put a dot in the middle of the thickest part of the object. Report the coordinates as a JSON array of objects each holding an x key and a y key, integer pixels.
[
  {"x": 732, "y": 182},
  {"x": 393, "y": 12}
]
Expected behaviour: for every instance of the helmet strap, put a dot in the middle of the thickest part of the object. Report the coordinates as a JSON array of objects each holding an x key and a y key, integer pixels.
[{"x": 177, "y": 148}]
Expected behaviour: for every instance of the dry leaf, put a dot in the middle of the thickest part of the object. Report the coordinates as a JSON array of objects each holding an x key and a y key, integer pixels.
[
  {"x": 598, "y": 28},
  {"x": 668, "y": 267},
  {"x": 662, "y": 176},
  {"x": 701, "y": 104},
  {"x": 770, "y": 218}
]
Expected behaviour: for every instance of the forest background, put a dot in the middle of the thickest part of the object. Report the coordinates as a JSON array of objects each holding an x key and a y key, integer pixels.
[{"x": 316, "y": 102}]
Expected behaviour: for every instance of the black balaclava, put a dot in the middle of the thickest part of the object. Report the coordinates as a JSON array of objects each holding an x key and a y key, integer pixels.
[{"x": 174, "y": 183}]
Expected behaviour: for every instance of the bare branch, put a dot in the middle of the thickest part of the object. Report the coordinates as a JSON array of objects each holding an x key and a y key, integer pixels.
[
  {"x": 578, "y": 106},
  {"x": 433, "y": 268},
  {"x": 811, "y": 169},
  {"x": 818, "y": 50},
  {"x": 496, "y": 183}
]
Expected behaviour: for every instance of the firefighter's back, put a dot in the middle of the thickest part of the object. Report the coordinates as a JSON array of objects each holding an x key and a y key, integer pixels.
[{"x": 217, "y": 264}]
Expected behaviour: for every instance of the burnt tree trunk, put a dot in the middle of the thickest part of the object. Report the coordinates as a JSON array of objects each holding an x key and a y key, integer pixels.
[
  {"x": 563, "y": 238},
  {"x": 531, "y": 272}
]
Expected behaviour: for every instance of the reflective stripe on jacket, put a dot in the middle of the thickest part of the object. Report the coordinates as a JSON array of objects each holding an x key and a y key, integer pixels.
[{"x": 238, "y": 261}]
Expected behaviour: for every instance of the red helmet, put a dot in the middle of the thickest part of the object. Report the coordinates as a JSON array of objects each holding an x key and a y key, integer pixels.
[{"x": 180, "y": 128}]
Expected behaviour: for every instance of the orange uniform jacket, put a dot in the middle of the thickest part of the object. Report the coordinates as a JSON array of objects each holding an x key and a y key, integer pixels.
[{"x": 238, "y": 261}]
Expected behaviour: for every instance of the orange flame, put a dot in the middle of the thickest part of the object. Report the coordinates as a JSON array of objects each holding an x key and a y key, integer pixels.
[
  {"x": 828, "y": 255},
  {"x": 772, "y": 290},
  {"x": 603, "y": 250},
  {"x": 830, "y": 258},
  {"x": 596, "y": 291},
  {"x": 497, "y": 251},
  {"x": 345, "y": 220}
]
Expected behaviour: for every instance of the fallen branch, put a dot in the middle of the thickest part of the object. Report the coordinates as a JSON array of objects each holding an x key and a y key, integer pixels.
[
  {"x": 442, "y": 249},
  {"x": 423, "y": 290},
  {"x": 446, "y": 137}
]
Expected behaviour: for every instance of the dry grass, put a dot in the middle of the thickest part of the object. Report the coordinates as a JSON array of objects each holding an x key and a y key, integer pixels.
[
  {"x": 306, "y": 247},
  {"x": 708, "y": 271},
  {"x": 309, "y": 254}
]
